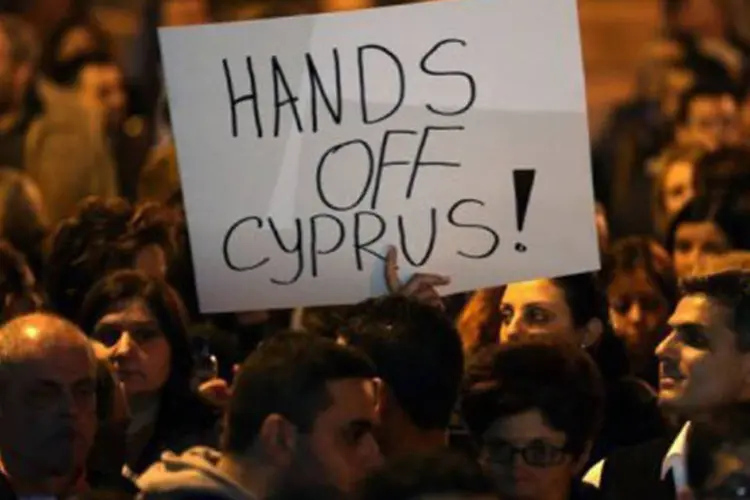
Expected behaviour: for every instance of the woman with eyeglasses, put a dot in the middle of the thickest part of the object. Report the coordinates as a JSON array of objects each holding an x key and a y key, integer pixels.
[
  {"x": 535, "y": 414},
  {"x": 642, "y": 290},
  {"x": 140, "y": 324}
]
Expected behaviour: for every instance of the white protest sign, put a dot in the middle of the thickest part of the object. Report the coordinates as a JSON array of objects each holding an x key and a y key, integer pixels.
[{"x": 454, "y": 130}]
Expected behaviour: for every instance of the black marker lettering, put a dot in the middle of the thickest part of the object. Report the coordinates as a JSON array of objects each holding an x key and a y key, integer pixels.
[
  {"x": 493, "y": 235},
  {"x": 382, "y": 163},
  {"x": 363, "y": 87},
  {"x": 359, "y": 245},
  {"x": 420, "y": 152},
  {"x": 430, "y": 245},
  {"x": 234, "y": 101},
  {"x": 461, "y": 74},
  {"x": 225, "y": 247},
  {"x": 279, "y": 81},
  {"x": 296, "y": 248},
  {"x": 316, "y": 87},
  {"x": 314, "y": 250},
  {"x": 319, "y": 175}
]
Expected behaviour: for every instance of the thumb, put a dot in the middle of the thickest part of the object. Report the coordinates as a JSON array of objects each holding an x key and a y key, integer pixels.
[{"x": 391, "y": 270}]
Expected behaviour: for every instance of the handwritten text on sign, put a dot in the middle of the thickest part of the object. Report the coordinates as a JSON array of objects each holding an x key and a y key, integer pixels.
[{"x": 309, "y": 144}]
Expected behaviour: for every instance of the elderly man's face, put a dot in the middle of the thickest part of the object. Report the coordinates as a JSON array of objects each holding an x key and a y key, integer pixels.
[{"x": 48, "y": 411}]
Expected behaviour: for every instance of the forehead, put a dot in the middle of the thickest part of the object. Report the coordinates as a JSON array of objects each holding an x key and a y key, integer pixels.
[
  {"x": 131, "y": 311},
  {"x": 700, "y": 309},
  {"x": 678, "y": 172},
  {"x": 60, "y": 362},
  {"x": 635, "y": 282},
  {"x": 523, "y": 426},
  {"x": 699, "y": 230},
  {"x": 533, "y": 291}
]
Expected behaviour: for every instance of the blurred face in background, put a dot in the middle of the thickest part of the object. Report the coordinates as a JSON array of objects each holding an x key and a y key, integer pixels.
[
  {"x": 639, "y": 313},
  {"x": 695, "y": 242},
  {"x": 102, "y": 87},
  {"x": 678, "y": 188},
  {"x": 712, "y": 120},
  {"x": 703, "y": 18}
]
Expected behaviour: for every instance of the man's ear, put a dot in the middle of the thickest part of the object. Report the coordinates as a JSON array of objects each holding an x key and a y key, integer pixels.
[
  {"x": 278, "y": 440},
  {"x": 592, "y": 332}
]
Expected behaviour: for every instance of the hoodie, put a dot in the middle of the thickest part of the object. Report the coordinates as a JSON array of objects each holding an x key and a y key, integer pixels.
[{"x": 192, "y": 475}]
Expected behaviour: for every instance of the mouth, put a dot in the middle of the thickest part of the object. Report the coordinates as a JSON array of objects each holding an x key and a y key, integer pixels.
[{"x": 669, "y": 375}]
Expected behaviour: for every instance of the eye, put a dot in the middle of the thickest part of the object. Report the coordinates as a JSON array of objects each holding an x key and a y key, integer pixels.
[
  {"x": 108, "y": 335},
  {"x": 683, "y": 246},
  {"x": 651, "y": 304},
  {"x": 534, "y": 315},
  {"x": 506, "y": 314},
  {"x": 694, "y": 337},
  {"x": 713, "y": 248},
  {"x": 621, "y": 305}
]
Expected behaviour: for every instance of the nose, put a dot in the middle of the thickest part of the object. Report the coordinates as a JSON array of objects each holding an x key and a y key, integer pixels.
[
  {"x": 665, "y": 349},
  {"x": 514, "y": 331},
  {"x": 124, "y": 346},
  {"x": 372, "y": 458},
  {"x": 635, "y": 313}
]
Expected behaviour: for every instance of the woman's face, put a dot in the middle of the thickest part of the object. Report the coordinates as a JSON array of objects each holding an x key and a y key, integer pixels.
[
  {"x": 695, "y": 241},
  {"x": 678, "y": 188},
  {"x": 138, "y": 349},
  {"x": 639, "y": 312},
  {"x": 534, "y": 308},
  {"x": 152, "y": 260},
  {"x": 526, "y": 459}
]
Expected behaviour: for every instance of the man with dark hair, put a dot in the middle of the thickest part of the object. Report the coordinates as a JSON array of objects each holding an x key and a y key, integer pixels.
[
  {"x": 302, "y": 413},
  {"x": 704, "y": 364},
  {"x": 719, "y": 461},
  {"x": 418, "y": 355},
  {"x": 708, "y": 114}
]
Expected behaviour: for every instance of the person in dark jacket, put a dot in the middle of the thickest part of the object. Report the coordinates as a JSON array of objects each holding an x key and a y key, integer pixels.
[{"x": 139, "y": 323}]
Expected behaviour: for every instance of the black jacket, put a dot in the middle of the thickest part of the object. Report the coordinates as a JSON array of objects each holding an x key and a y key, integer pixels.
[{"x": 635, "y": 473}]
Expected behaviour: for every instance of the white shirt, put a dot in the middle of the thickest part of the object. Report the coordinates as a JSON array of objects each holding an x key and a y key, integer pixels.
[{"x": 675, "y": 460}]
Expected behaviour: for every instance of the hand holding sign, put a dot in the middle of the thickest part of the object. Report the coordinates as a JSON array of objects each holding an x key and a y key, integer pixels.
[{"x": 421, "y": 287}]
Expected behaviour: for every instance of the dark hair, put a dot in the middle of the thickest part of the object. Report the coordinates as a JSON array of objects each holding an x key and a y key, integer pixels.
[
  {"x": 83, "y": 249},
  {"x": 438, "y": 474},
  {"x": 164, "y": 303},
  {"x": 15, "y": 284},
  {"x": 66, "y": 73},
  {"x": 703, "y": 89},
  {"x": 730, "y": 221},
  {"x": 417, "y": 352},
  {"x": 154, "y": 224},
  {"x": 722, "y": 173},
  {"x": 727, "y": 427},
  {"x": 731, "y": 289},
  {"x": 586, "y": 301},
  {"x": 540, "y": 373},
  {"x": 641, "y": 253},
  {"x": 287, "y": 375}
]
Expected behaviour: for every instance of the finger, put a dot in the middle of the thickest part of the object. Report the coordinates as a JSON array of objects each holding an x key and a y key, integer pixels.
[
  {"x": 430, "y": 297},
  {"x": 391, "y": 271},
  {"x": 431, "y": 280}
]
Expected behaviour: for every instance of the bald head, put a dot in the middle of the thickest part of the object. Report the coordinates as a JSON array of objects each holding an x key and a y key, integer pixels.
[{"x": 33, "y": 337}]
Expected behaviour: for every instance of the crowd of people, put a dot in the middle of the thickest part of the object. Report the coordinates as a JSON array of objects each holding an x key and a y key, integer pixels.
[{"x": 629, "y": 383}]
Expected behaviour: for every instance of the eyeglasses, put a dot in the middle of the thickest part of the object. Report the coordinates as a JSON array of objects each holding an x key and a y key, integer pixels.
[{"x": 537, "y": 453}]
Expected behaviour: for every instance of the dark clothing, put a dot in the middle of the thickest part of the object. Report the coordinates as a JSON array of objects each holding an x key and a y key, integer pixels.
[
  {"x": 583, "y": 491},
  {"x": 179, "y": 427},
  {"x": 631, "y": 417},
  {"x": 6, "y": 490},
  {"x": 635, "y": 473}
]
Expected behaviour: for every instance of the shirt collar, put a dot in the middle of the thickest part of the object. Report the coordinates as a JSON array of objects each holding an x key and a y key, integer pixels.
[{"x": 675, "y": 461}]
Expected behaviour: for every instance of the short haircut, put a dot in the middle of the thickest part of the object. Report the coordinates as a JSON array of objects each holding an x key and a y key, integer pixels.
[
  {"x": 723, "y": 172},
  {"x": 727, "y": 429},
  {"x": 24, "y": 46},
  {"x": 15, "y": 283},
  {"x": 67, "y": 73},
  {"x": 417, "y": 352},
  {"x": 287, "y": 375},
  {"x": 442, "y": 475},
  {"x": 732, "y": 289},
  {"x": 556, "y": 378},
  {"x": 702, "y": 90},
  {"x": 640, "y": 253}
]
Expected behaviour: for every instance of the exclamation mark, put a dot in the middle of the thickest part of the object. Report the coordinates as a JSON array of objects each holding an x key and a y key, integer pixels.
[{"x": 523, "y": 182}]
